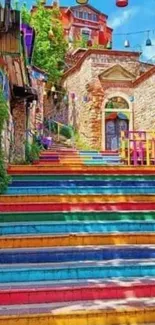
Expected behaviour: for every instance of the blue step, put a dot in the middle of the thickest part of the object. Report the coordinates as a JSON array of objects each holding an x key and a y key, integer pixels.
[
  {"x": 79, "y": 183},
  {"x": 102, "y": 163},
  {"x": 79, "y": 190},
  {"x": 36, "y": 228},
  {"x": 74, "y": 271},
  {"x": 55, "y": 255}
]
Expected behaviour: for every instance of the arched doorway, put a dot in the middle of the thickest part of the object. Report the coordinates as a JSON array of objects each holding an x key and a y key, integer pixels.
[{"x": 117, "y": 117}]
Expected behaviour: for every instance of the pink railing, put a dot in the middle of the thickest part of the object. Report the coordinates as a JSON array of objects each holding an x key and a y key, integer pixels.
[{"x": 138, "y": 147}]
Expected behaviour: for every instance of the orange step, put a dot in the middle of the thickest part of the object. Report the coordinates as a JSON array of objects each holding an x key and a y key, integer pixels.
[{"x": 76, "y": 240}]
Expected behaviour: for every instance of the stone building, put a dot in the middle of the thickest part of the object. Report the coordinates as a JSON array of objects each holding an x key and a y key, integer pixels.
[{"x": 109, "y": 91}]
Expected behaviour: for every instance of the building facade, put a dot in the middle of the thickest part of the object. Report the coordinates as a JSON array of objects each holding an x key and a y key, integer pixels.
[
  {"x": 110, "y": 91},
  {"x": 84, "y": 22},
  {"x": 20, "y": 84}
]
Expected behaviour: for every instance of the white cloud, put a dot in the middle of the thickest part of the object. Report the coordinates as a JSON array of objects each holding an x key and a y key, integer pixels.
[{"x": 125, "y": 16}]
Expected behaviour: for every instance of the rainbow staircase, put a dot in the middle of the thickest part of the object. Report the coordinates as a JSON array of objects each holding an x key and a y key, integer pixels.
[{"x": 77, "y": 238}]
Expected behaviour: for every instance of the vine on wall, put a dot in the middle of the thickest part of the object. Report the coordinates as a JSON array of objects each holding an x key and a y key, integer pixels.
[
  {"x": 4, "y": 113},
  {"x": 50, "y": 46}
]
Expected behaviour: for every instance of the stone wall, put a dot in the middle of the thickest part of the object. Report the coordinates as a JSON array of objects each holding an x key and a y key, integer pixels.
[
  {"x": 57, "y": 110},
  {"x": 79, "y": 111},
  {"x": 144, "y": 112}
]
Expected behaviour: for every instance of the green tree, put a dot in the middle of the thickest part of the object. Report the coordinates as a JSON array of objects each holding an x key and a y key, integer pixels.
[
  {"x": 25, "y": 14},
  {"x": 50, "y": 45}
]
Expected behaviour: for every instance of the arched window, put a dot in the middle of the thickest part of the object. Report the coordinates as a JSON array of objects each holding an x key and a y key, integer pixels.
[{"x": 117, "y": 103}]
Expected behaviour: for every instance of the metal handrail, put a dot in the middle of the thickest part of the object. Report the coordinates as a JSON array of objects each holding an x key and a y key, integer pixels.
[{"x": 59, "y": 125}]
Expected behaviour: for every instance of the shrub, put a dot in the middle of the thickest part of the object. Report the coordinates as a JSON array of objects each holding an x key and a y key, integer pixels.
[
  {"x": 32, "y": 152},
  {"x": 4, "y": 178}
]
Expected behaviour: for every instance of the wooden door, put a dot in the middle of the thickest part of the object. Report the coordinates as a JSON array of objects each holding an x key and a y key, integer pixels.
[{"x": 113, "y": 132}]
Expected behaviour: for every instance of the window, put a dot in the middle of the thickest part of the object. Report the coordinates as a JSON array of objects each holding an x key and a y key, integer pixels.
[
  {"x": 81, "y": 14},
  {"x": 95, "y": 17},
  {"x": 86, "y": 15},
  {"x": 86, "y": 34}
]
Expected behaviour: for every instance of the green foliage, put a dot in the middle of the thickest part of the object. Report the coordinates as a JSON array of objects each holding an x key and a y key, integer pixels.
[
  {"x": 32, "y": 152},
  {"x": 80, "y": 143},
  {"x": 80, "y": 43},
  {"x": 4, "y": 178},
  {"x": 83, "y": 43},
  {"x": 25, "y": 15},
  {"x": 3, "y": 112},
  {"x": 50, "y": 46},
  {"x": 65, "y": 130}
]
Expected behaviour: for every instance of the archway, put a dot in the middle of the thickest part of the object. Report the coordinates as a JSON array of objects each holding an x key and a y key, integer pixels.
[{"x": 117, "y": 119}]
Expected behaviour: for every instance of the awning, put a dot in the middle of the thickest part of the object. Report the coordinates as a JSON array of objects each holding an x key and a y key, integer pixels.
[
  {"x": 111, "y": 116},
  {"x": 114, "y": 116},
  {"x": 122, "y": 116}
]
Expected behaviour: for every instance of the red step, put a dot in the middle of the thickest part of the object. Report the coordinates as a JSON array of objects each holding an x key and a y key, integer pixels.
[
  {"x": 45, "y": 207},
  {"x": 83, "y": 171},
  {"x": 76, "y": 293}
]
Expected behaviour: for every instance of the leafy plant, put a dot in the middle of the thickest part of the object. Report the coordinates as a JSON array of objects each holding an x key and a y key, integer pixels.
[
  {"x": 32, "y": 152},
  {"x": 50, "y": 45},
  {"x": 81, "y": 144},
  {"x": 65, "y": 130},
  {"x": 25, "y": 14},
  {"x": 4, "y": 177}
]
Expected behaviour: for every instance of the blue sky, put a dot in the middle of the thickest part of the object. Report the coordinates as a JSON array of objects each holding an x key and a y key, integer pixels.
[{"x": 139, "y": 15}]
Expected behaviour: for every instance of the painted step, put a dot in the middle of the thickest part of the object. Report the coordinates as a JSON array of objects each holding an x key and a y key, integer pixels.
[
  {"x": 110, "y": 170},
  {"x": 105, "y": 163},
  {"x": 37, "y": 206},
  {"x": 75, "y": 227},
  {"x": 78, "y": 216},
  {"x": 94, "y": 178},
  {"x": 53, "y": 255},
  {"x": 85, "y": 199},
  {"x": 79, "y": 307},
  {"x": 82, "y": 183},
  {"x": 77, "y": 283},
  {"x": 73, "y": 271},
  {"x": 44, "y": 190},
  {"x": 79, "y": 159},
  {"x": 71, "y": 240},
  {"x": 60, "y": 164},
  {"x": 68, "y": 292},
  {"x": 145, "y": 315}
]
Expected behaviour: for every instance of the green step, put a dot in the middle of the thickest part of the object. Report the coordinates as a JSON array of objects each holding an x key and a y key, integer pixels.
[
  {"x": 79, "y": 177},
  {"x": 76, "y": 216}
]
